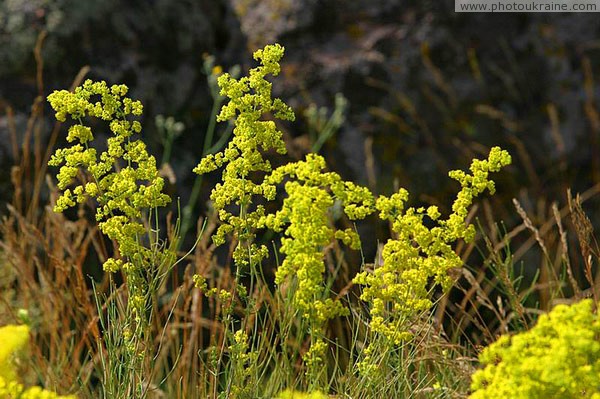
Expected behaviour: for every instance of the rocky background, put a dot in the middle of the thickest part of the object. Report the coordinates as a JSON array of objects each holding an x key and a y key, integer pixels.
[{"x": 427, "y": 89}]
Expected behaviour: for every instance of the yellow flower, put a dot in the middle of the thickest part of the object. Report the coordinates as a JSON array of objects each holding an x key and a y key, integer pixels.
[
  {"x": 291, "y": 394},
  {"x": 249, "y": 100},
  {"x": 398, "y": 289},
  {"x": 558, "y": 358},
  {"x": 14, "y": 339},
  {"x": 123, "y": 190}
]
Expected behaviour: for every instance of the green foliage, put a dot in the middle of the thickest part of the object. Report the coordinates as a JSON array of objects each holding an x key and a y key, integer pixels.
[
  {"x": 558, "y": 358},
  {"x": 244, "y": 363}
]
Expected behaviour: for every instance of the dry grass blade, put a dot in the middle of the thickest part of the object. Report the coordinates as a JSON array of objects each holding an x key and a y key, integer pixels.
[
  {"x": 548, "y": 276},
  {"x": 565, "y": 252},
  {"x": 584, "y": 230}
]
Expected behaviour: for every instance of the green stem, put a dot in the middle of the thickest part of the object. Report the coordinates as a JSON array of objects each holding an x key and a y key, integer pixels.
[{"x": 188, "y": 209}]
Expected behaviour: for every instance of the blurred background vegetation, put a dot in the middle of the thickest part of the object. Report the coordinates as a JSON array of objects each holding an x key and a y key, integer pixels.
[
  {"x": 394, "y": 93},
  {"x": 427, "y": 88}
]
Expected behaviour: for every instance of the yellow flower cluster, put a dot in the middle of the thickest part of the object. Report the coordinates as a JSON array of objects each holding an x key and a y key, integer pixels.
[
  {"x": 123, "y": 179},
  {"x": 14, "y": 340},
  {"x": 558, "y": 358},
  {"x": 314, "y": 358},
  {"x": 311, "y": 192},
  {"x": 244, "y": 366},
  {"x": 249, "y": 100},
  {"x": 305, "y": 219},
  {"x": 399, "y": 288},
  {"x": 290, "y": 394},
  {"x": 418, "y": 255},
  {"x": 306, "y": 223}
]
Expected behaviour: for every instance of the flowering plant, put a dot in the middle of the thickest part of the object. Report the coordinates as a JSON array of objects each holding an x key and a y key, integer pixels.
[
  {"x": 127, "y": 190},
  {"x": 14, "y": 340},
  {"x": 558, "y": 358}
]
